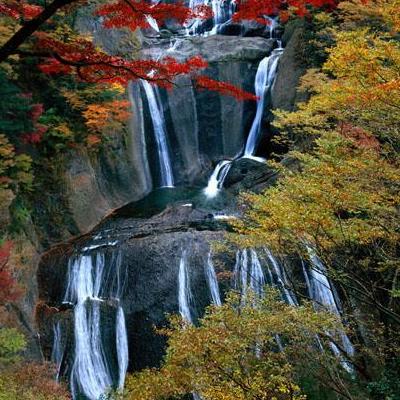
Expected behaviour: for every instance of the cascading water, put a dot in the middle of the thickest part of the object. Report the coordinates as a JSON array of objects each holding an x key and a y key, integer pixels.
[
  {"x": 157, "y": 117},
  {"x": 122, "y": 347},
  {"x": 89, "y": 286},
  {"x": 257, "y": 280},
  {"x": 245, "y": 277},
  {"x": 321, "y": 292},
  {"x": 280, "y": 279},
  {"x": 58, "y": 349},
  {"x": 217, "y": 178},
  {"x": 271, "y": 26},
  {"x": 212, "y": 281},
  {"x": 184, "y": 293},
  {"x": 265, "y": 78},
  {"x": 222, "y": 12}
]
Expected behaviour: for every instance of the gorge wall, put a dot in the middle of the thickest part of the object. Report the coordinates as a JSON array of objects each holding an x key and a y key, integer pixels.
[{"x": 153, "y": 232}]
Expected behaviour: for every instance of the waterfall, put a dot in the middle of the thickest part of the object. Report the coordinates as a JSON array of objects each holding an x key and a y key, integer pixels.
[
  {"x": 217, "y": 178},
  {"x": 264, "y": 81},
  {"x": 88, "y": 283},
  {"x": 245, "y": 277},
  {"x": 272, "y": 24},
  {"x": 57, "y": 352},
  {"x": 122, "y": 347},
  {"x": 321, "y": 292},
  {"x": 157, "y": 117},
  {"x": 280, "y": 279},
  {"x": 184, "y": 292},
  {"x": 257, "y": 280},
  {"x": 212, "y": 281},
  {"x": 265, "y": 78},
  {"x": 222, "y": 12},
  {"x": 153, "y": 23}
]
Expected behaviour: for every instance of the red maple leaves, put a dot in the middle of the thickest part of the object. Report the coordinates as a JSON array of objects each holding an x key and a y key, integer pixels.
[
  {"x": 38, "y": 129},
  {"x": 133, "y": 15},
  {"x": 95, "y": 66},
  {"x": 20, "y": 9}
]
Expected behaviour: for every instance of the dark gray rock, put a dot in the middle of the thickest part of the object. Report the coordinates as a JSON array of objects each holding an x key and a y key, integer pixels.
[
  {"x": 151, "y": 250},
  {"x": 291, "y": 67}
]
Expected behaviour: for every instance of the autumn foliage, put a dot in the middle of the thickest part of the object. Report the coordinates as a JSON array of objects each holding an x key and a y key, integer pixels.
[
  {"x": 93, "y": 65},
  {"x": 9, "y": 290},
  {"x": 256, "y": 10}
]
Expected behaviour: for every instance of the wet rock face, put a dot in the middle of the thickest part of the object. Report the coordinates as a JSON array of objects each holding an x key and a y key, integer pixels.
[
  {"x": 151, "y": 250},
  {"x": 201, "y": 125}
]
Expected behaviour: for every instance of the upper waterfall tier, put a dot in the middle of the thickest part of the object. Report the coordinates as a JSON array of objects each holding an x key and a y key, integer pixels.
[{"x": 200, "y": 126}]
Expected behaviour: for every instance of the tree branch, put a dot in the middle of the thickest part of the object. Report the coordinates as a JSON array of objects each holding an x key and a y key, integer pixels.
[{"x": 30, "y": 27}]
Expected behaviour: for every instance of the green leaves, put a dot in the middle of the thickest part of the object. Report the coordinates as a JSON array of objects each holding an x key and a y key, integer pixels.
[{"x": 12, "y": 342}]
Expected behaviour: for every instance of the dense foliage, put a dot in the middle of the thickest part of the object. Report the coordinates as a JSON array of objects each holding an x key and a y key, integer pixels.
[{"x": 233, "y": 354}]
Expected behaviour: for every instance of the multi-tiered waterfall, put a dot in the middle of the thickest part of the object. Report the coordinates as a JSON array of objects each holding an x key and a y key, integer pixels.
[
  {"x": 170, "y": 267},
  {"x": 265, "y": 78}
]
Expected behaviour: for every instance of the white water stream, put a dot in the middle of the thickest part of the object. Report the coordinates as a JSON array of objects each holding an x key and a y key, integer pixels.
[
  {"x": 89, "y": 287},
  {"x": 212, "y": 281},
  {"x": 157, "y": 118},
  {"x": 264, "y": 81},
  {"x": 185, "y": 297}
]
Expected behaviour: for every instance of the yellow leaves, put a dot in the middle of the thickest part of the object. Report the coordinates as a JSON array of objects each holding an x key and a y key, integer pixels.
[
  {"x": 63, "y": 130},
  {"x": 217, "y": 359},
  {"x": 341, "y": 193},
  {"x": 386, "y": 12},
  {"x": 13, "y": 168}
]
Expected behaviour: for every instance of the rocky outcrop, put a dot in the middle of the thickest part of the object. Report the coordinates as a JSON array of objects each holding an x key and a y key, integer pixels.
[
  {"x": 203, "y": 126},
  {"x": 99, "y": 183},
  {"x": 292, "y": 66},
  {"x": 150, "y": 250}
]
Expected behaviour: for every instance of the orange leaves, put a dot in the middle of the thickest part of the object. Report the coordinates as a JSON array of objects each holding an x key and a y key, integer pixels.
[
  {"x": 359, "y": 136},
  {"x": 99, "y": 117}
]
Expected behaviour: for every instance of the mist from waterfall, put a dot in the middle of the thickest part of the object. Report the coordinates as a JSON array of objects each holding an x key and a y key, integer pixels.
[
  {"x": 90, "y": 284},
  {"x": 212, "y": 281},
  {"x": 265, "y": 78},
  {"x": 157, "y": 118},
  {"x": 185, "y": 297}
]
